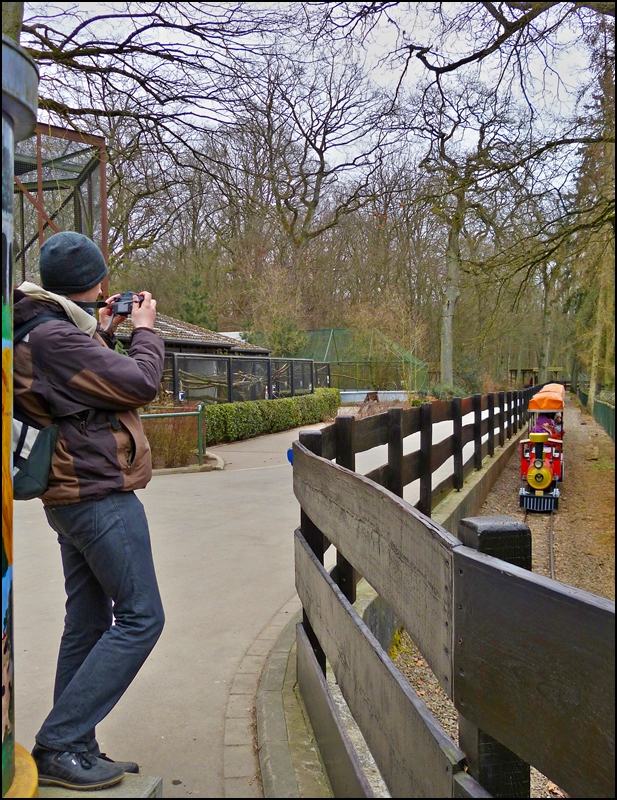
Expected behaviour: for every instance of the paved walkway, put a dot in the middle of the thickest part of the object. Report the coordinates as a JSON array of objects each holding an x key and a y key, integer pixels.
[{"x": 223, "y": 548}]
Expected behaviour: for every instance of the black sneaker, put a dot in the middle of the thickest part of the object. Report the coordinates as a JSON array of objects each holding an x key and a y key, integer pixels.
[
  {"x": 75, "y": 770},
  {"x": 127, "y": 766}
]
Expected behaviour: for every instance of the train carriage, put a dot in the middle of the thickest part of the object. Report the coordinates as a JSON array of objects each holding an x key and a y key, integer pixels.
[{"x": 541, "y": 454}]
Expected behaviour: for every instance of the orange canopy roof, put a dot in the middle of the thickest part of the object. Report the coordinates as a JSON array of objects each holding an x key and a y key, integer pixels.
[{"x": 551, "y": 397}]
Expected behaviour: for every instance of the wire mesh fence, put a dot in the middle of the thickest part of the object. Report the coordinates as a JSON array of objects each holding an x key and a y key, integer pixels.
[
  {"x": 229, "y": 379},
  {"x": 603, "y": 413}
]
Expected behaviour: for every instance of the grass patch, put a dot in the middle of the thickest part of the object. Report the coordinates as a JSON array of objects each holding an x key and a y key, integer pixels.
[{"x": 603, "y": 465}]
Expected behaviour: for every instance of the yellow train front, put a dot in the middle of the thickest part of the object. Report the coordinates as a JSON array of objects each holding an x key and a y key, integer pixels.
[{"x": 541, "y": 455}]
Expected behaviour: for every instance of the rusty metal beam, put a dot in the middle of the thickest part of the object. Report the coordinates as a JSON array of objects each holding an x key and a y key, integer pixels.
[
  {"x": 38, "y": 206},
  {"x": 72, "y": 136}
]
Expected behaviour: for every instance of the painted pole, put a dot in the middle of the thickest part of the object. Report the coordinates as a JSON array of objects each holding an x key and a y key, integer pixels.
[{"x": 19, "y": 104}]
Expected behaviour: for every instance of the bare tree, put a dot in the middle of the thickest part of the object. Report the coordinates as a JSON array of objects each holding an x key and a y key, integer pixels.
[
  {"x": 315, "y": 122},
  {"x": 169, "y": 62},
  {"x": 472, "y": 146},
  {"x": 478, "y": 30}
]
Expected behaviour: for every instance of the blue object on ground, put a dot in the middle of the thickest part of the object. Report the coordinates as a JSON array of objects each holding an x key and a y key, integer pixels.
[{"x": 290, "y": 456}]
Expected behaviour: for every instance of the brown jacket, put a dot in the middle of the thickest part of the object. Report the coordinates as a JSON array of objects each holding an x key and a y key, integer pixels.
[{"x": 62, "y": 374}]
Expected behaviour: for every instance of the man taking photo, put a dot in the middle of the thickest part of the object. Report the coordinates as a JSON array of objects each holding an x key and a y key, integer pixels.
[{"x": 67, "y": 371}]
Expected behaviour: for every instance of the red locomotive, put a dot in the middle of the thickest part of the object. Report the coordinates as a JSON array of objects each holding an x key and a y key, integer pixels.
[{"x": 542, "y": 466}]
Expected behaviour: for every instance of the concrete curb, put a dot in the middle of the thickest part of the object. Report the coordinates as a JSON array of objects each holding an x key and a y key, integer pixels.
[
  {"x": 215, "y": 463},
  {"x": 277, "y": 772},
  {"x": 241, "y": 761},
  {"x": 289, "y": 758},
  {"x": 129, "y": 786}
]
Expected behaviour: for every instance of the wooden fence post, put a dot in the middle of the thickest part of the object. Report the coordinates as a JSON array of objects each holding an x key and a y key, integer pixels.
[
  {"x": 457, "y": 433},
  {"x": 346, "y": 457},
  {"x": 477, "y": 431},
  {"x": 521, "y": 421},
  {"x": 502, "y": 417},
  {"x": 426, "y": 445},
  {"x": 514, "y": 412},
  {"x": 395, "y": 450},
  {"x": 509, "y": 415},
  {"x": 491, "y": 423},
  {"x": 318, "y": 543},
  {"x": 498, "y": 770}
]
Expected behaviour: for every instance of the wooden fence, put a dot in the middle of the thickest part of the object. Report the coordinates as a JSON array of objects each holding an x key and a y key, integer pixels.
[
  {"x": 343, "y": 440},
  {"x": 527, "y": 662}
]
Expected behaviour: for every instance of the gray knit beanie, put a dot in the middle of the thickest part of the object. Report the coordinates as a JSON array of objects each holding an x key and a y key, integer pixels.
[{"x": 70, "y": 263}]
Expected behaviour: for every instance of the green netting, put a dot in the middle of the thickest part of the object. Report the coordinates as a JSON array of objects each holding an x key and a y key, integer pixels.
[
  {"x": 366, "y": 360},
  {"x": 330, "y": 344}
]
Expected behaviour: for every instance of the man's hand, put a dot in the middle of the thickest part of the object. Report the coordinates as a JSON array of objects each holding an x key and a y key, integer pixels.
[
  {"x": 143, "y": 316},
  {"x": 105, "y": 316}
]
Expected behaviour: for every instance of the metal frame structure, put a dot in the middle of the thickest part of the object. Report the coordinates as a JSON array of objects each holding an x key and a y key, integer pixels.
[
  {"x": 79, "y": 174},
  {"x": 175, "y": 379}
]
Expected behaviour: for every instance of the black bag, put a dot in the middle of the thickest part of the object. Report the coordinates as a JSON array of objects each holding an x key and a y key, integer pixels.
[{"x": 33, "y": 446}]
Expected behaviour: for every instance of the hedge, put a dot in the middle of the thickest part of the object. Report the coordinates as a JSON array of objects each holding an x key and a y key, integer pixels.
[{"x": 230, "y": 422}]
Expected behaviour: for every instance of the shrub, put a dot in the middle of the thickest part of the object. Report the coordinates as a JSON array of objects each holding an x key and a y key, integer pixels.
[
  {"x": 214, "y": 418},
  {"x": 172, "y": 440},
  {"x": 442, "y": 392},
  {"x": 467, "y": 371},
  {"x": 242, "y": 421},
  {"x": 229, "y": 422}
]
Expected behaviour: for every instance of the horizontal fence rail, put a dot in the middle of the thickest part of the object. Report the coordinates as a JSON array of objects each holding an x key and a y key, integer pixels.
[{"x": 528, "y": 662}]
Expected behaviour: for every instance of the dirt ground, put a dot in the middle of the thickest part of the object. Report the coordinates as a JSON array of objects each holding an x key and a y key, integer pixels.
[{"x": 584, "y": 547}]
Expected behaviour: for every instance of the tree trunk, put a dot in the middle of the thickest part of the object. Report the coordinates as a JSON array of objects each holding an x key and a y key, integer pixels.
[
  {"x": 609, "y": 323},
  {"x": 453, "y": 272},
  {"x": 519, "y": 367},
  {"x": 595, "y": 353},
  {"x": 545, "y": 345},
  {"x": 12, "y": 16},
  {"x": 548, "y": 278},
  {"x": 598, "y": 331},
  {"x": 574, "y": 375}
]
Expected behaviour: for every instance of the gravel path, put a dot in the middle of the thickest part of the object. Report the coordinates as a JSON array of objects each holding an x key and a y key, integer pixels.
[{"x": 584, "y": 547}]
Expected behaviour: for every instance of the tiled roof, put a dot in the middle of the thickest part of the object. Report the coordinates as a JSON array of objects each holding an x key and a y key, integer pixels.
[{"x": 175, "y": 330}]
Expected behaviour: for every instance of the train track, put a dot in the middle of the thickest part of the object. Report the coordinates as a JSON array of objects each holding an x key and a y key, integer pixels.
[{"x": 551, "y": 543}]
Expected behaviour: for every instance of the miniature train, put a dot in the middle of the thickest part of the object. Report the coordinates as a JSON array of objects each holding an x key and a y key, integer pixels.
[{"x": 541, "y": 455}]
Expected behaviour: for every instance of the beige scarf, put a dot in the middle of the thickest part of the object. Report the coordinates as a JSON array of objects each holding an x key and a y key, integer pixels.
[{"x": 81, "y": 318}]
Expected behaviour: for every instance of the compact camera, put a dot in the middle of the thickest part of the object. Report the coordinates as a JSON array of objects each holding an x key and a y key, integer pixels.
[{"x": 123, "y": 305}]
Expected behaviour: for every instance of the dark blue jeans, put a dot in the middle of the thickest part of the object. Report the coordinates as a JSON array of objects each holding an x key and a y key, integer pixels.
[{"x": 108, "y": 569}]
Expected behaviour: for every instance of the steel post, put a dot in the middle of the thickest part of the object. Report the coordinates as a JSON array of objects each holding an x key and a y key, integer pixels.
[{"x": 19, "y": 105}]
